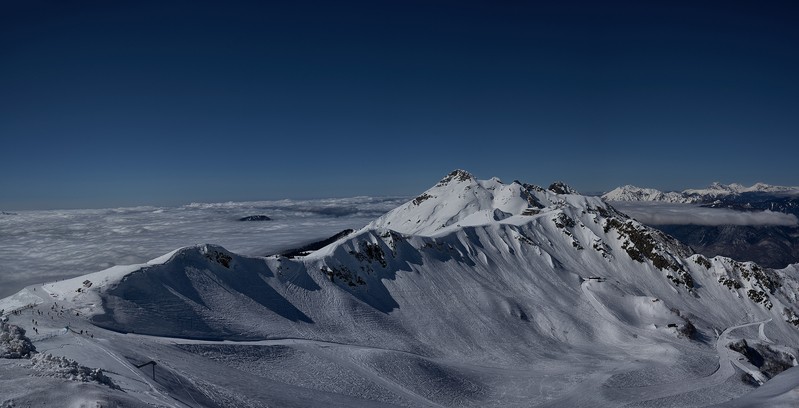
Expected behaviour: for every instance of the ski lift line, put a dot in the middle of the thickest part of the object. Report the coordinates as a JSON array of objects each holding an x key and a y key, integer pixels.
[
  {"x": 146, "y": 364},
  {"x": 127, "y": 365},
  {"x": 182, "y": 385}
]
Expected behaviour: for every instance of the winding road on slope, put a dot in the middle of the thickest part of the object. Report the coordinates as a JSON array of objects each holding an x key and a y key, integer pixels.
[
  {"x": 728, "y": 361},
  {"x": 725, "y": 353}
]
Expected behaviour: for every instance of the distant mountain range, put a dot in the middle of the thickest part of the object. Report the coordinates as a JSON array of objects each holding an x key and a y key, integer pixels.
[
  {"x": 769, "y": 245},
  {"x": 715, "y": 191},
  {"x": 475, "y": 293}
]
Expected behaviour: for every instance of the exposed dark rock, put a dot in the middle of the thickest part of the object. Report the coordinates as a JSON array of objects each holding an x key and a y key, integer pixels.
[
  {"x": 421, "y": 198},
  {"x": 701, "y": 260},
  {"x": 730, "y": 283},
  {"x": 640, "y": 244},
  {"x": 306, "y": 249},
  {"x": 770, "y": 362},
  {"x": 530, "y": 211},
  {"x": 560, "y": 187},
  {"x": 758, "y": 296},
  {"x": 456, "y": 175},
  {"x": 790, "y": 316},
  {"x": 255, "y": 218},
  {"x": 342, "y": 273},
  {"x": 370, "y": 252},
  {"x": 219, "y": 257},
  {"x": 564, "y": 221}
]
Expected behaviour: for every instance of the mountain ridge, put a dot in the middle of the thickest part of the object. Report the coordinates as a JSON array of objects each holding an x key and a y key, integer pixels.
[
  {"x": 714, "y": 191},
  {"x": 475, "y": 288}
]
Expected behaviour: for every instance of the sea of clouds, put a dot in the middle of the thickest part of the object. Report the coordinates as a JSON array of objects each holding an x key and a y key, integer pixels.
[
  {"x": 690, "y": 214},
  {"x": 43, "y": 246}
]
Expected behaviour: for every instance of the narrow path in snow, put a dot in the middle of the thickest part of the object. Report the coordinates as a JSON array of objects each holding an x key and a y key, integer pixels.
[{"x": 762, "y": 333}]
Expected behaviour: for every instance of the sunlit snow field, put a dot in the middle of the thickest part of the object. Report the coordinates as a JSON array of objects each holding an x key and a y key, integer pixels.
[{"x": 42, "y": 246}]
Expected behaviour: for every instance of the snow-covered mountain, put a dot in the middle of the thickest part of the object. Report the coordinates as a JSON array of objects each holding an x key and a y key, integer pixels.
[
  {"x": 633, "y": 193},
  {"x": 717, "y": 189},
  {"x": 475, "y": 293},
  {"x": 772, "y": 244},
  {"x": 714, "y": 191}
]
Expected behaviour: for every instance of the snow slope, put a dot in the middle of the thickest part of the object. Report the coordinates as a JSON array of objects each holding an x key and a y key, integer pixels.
[{"x": 475, "y": 293}]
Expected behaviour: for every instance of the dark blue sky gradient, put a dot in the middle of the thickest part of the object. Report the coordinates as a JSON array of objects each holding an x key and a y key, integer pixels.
[{"x": 112, "y": 103}]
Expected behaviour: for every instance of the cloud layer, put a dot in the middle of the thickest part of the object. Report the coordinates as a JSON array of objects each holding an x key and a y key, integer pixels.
[
  {"x": 687, "y": 214},
  {"x": 42, "y": 246}
]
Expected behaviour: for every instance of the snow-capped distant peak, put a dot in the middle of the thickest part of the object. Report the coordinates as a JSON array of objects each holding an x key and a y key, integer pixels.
[
  {"x": 633, "y": 193},
  {"x": 717, "y": 189},
  {"x": 713, "y": 191}
]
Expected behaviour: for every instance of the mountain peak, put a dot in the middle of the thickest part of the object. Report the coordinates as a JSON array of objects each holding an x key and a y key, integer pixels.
[
  {"x": 461, "y": 200},
  {"x": 560, "y": 187},
  {"x": 456, "y": 176}
]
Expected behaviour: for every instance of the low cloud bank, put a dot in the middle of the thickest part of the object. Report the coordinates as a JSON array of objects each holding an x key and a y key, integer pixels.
[
  {"x": 43, "y": 246},
  {"x": 687, "y": 214}
]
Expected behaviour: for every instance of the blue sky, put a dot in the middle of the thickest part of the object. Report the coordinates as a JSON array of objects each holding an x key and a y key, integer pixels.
[{"x": 126, "y": 103}]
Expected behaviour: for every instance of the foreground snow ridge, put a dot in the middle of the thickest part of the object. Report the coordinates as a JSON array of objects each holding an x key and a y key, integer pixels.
[{"x": 474, "y": 293}]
